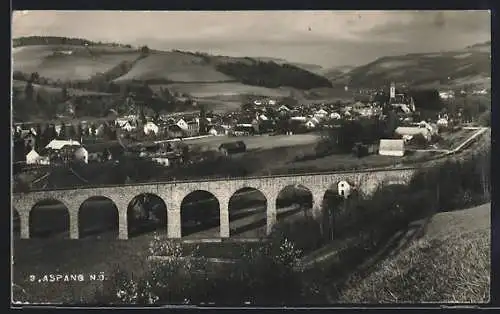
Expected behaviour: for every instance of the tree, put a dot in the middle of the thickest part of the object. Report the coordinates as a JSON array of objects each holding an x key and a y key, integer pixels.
[
  {"x": 38, "y": 130},
  {"x": 124, "y": 90},
  {"x": 78, "y": 131},
  {"x": 29, "y": 91},
  {"x": 34, "y": 77},
  {"x": 71, "y": 132},
  {"x": 63, "y": 132},
  {"x": 427, "y": 99},
  {"x": 203, "y": 127},
  {"x": 391, "y": 124},
  {"x": 64, "y": 93},
  {"x": 50, "y": 133},
  {"x": 145, "y": 51},
  {"x": 142, "y": 117},
  {"x": 109, "y": 133}
]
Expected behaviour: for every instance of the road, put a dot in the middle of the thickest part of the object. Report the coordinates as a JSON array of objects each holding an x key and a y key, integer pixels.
[{"x": 480, "y": 130}]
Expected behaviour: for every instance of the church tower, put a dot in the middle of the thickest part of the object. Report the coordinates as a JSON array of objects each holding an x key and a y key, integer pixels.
[{"x": 393, "y": 91}]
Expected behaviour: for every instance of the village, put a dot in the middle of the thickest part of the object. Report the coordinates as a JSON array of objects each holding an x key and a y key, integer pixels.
[{"x": 167, "y": 139}]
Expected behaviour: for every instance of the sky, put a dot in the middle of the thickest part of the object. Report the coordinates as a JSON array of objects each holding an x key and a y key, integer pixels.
[{"x": 326, "y": 38}]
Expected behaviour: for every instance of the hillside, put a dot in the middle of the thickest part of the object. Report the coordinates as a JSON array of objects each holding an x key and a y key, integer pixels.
[
  {"x": 450, "y": 263},
  {"x": 314, "y": 68},
  {"x": 333, "y": 73},
  {"x": 468, "y": 66},
  {"x": 80, "y": 60}
]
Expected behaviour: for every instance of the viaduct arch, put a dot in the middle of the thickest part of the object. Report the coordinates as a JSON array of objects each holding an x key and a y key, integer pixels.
[{"x": 173, "y": 193}]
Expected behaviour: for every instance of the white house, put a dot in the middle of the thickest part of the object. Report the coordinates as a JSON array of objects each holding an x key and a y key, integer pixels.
[
  {"x": 213, "y": 131},
  {"x": 217, "y": 130},
  {"x": 162, "y": 161},
  {"x": 299, "y": 118},
  {"x": 315, "y": 120},
  {"x": 283, "y": 108},
  {"x": 263, "y": 118},
  {"x": 257, "y": 102},
  {"x": 151, "y": 128},
  {"x": 209, "y": 120},
  {"x": 127, "y": 126},
  {"x": 344, "y": 189},
  {"x": 271, "y": 102},
  {"x": 310, "y": 124},
  {"x": 32, "y": 157},
  {"x": 433, "y": 130},
  {"x": 58, "y": 144},
  {"x": 410, "y": 132},
  {"x": 446, "y": 94},
  {"x": 320, "y": 114},
  {"x": 120, "y": 121},
  {"x": 81, "y": 154},
  {"x": 391, "y": 148},
  {"x": 335, "y": 115},
  {"x": 183, "y": 124},
  {"x": 442, "y": 122}
]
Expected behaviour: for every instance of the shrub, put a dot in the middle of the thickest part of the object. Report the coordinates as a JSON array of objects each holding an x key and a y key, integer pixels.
[{"x": 263, "y": 276}]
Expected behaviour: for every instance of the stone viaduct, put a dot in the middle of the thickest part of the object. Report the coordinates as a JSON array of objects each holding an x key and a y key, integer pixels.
[{"x": 173, "y": 193}]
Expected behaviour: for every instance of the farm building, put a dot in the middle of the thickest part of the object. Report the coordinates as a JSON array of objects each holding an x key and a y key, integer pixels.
[
  {"x": 311, "y": 124},
  {"x": 408, "y": 132},
  {"x": 217, "y": 130},
  {"x": 284, "y": 108},
  {"x": 162, "y": 161},
  {"x": 33, "y": 158},
  {"x": 151, "y": 128},
  {"x": 126, "y": 126},
  {"x": 81, "y": 154},
  {"x": 335, "y": 115},
  {"x": 442, "y": 123},
  {"x": 182, "y": 124},
  {"x": 58, "y": 144},
  {"x": 232, "y": 148},
  {"x": 391, "y": 148}
]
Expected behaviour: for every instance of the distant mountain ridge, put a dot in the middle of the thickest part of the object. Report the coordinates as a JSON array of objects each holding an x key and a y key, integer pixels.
[{"x": 468, "y": 66}]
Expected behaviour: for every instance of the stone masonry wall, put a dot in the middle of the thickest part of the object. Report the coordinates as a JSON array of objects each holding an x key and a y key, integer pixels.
[{"x": 173, "y": 193}]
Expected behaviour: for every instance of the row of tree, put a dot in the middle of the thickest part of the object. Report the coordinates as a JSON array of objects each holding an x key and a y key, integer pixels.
[
  {"x": 273, "y": 75},
  {"x": 58, "y": 40}
]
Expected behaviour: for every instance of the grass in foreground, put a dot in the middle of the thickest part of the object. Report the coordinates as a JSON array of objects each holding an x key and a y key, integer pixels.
[{"x": 452, "y": 268}]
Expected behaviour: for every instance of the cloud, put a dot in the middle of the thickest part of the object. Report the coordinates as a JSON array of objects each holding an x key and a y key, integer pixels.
[
  {"x": 324, "y": 37},
  {"x": 196, "y": 25},
  {"x": 425, "y": 24}
]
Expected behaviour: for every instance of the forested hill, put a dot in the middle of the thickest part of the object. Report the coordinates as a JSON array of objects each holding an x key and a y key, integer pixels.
[{"x": 75, "y": 59}]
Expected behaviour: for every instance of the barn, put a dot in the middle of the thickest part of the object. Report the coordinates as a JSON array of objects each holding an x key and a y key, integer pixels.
[
  {"x": 392, "y": 148},
  {"x": 232, "y": 148}
]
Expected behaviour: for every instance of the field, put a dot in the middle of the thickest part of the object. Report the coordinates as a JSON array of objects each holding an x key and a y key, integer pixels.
[
  {"x": 256, "y": 142},
  {"x": 450, "y": 264},
  {"x": 175, "y": 67},
  {"x": 223, "y": 89},
  {"x": 55, "y": 92},
  {"x": 81, "y": 65}
]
